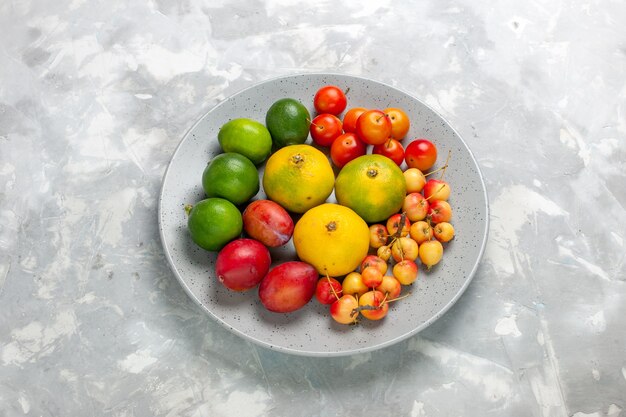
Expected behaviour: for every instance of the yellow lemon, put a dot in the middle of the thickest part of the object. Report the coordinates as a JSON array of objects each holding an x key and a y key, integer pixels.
[
  {"x": 298, "y": 177},
  {"x": 332, "y": 238},
  {"x": 371, "y": 185}
]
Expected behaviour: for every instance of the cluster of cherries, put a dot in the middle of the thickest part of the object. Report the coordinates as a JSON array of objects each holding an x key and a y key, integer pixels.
[{"x": 348, "y": 138}]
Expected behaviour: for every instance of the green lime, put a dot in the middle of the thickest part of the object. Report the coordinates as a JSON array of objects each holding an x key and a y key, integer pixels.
[
  {"x": 213, "y": 223},
  {"x": 288, "y": 122},
  {"x": 231, "y": 176},
  {"x": 247, "y": 137}
]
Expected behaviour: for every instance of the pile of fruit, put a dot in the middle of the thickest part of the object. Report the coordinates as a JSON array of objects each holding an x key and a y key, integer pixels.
[{"x": 355, "y": 255}]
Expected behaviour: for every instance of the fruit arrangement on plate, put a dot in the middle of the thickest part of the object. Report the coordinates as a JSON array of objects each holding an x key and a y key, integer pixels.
[{"x": 359, "y": 254}]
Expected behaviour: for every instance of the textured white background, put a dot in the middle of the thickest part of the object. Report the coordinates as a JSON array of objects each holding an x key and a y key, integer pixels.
[{"x": 95, "y": 96}]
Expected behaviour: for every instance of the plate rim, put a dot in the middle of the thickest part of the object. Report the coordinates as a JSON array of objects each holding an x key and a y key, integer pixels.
[{"x": 310, "y": 353}]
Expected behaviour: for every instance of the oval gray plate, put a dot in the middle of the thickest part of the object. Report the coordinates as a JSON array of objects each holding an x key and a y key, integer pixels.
[{"x": 311, "y": 330}]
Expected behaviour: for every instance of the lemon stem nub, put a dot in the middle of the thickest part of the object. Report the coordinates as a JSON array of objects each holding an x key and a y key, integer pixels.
[
  {"x": 332, "y": 226},
  {"x": 372, "y": 173},
  {"x": 297, "y": 159}
]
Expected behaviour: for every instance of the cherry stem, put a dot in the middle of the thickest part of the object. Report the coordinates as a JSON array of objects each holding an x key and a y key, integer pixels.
[
  {"x": 330, "y": 284},
  {"x": 443, "y": 168},
  {"x": 398, "y": 298},
  {"x": 400, "y": 225},
  {"x": 311, "y": 122},
  {"x": 446, "y": 164},
  {"x": 436, "y": 192},
  {"x": 430, "y": 226},
  {"x": 384, "y": 299},
  {"x": 355, "y": 313},
  {"x": 437, "y": 170},
  {"x": 365, "y": 307}
]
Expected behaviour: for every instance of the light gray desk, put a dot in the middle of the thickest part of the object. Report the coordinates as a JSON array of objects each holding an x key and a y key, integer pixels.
[{"x": 95, "y": 96}]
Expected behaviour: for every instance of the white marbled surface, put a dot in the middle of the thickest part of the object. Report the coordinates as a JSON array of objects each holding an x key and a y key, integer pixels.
[{"x": 95, "y": 96}]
